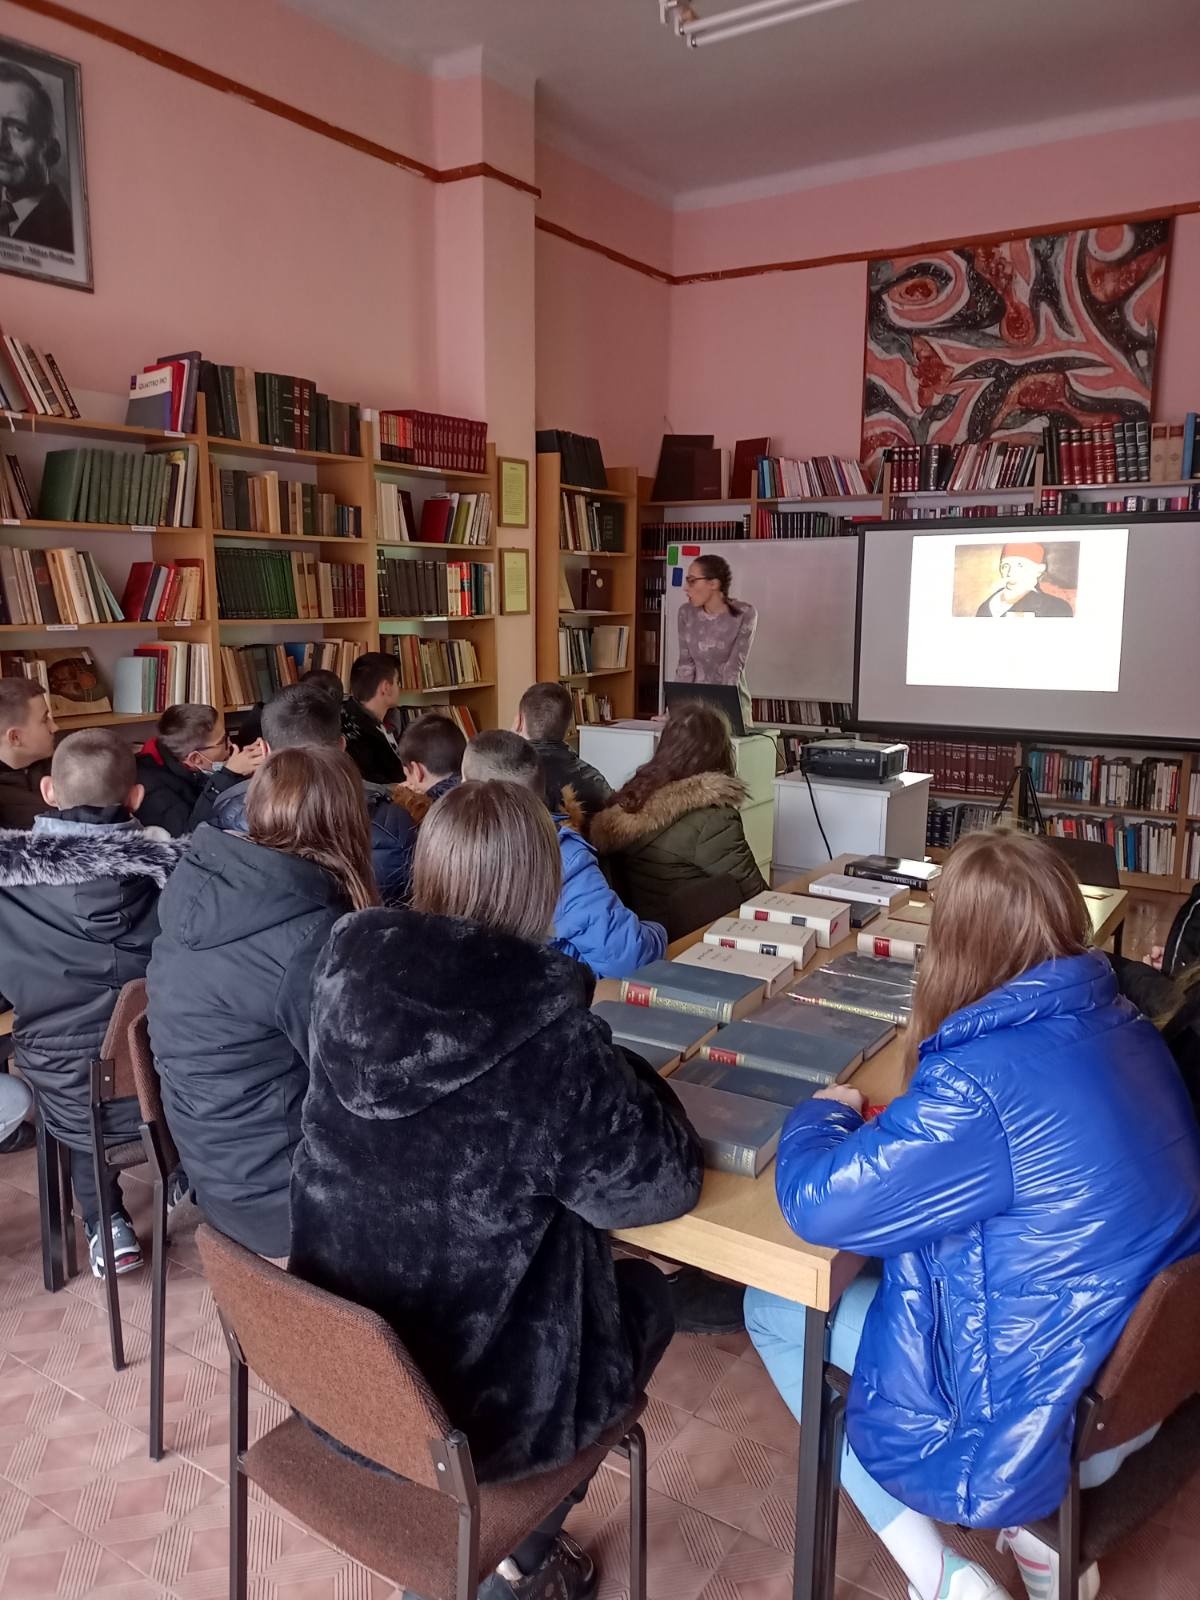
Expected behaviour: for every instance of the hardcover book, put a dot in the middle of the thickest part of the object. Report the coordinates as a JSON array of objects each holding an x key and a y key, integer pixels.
[
  {"x": 788, "y": 1050},
  {"x": 658, "y": 1056},
  {"x": 894, "y": 975},
  {"x": 763, "y": 938},
  {"x": 739, "y": 1134},
  {"x": 918, "y": 911},
  {"x": 834, "y": 886},
  {"x": 830, "y": 923},
  {"x": 776, "y": 1087},
  {"x": 867, "y": 1034},
  {"x": 861, "y": 914},
  {"x": 697, "y": 991},
  {"x": 773, "y": 971},
  {"x": 859, "y": 996},
  {"x": 895, "y": 869},
  {"x": 649, "y": 1025},
  {"x": 897, "y": 941}
]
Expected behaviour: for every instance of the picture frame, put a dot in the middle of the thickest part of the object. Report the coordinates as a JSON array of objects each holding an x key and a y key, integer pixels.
[
  {"x": 44, "y": 226},
  {"x": 512, "y": 475},
  {"x": 514, "y": 583}
]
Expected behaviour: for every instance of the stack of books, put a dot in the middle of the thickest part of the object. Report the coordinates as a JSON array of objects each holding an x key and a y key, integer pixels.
[
  {"x": 656, "y": 536},
  {"x": 1139, "y": 846},
  {"x": 15, "y": 502},
  {"x": 31, "y": 380},
  {"x": 263, "y": 502},
  {"x": 962, "y": 468},
  {"x": 946, "y": 824},
  {"x": 254, "y": 672},
  {"x": 582, "y": 459},
  {"x": 156, "y": 676},
  {"x": 1118, "y": 452},
  {"x": 152, "y": 488},
  {"x": 70, "y": 679},
  {"x": 270, "y": 408},
  {"x": 802, "y": 525},
  {"x": 801, "y": 713},
  {"x": 590, "y": 709},
  {"x": 461, "y": 716},
  {"x": 1060, "y": 503},
  {"x": 443, "y": 519},
  {"x": 819, "y": 478},
  {"x": 963, "y": 766},
  {"x": 170, "y": 593},
  {"x": 601, "y": 649},
  {"x": 1191, "y": 859},
  {"x": 591, "y": 524},
  {"x": 433, "y": 663},
  {"x": 287, "y": 584},
  {"x": 429, "y": 439},
  {"x": 1099, "y": 780},
  {"x": 435, "y": 588},
  {"x": 54, "y": 588}
]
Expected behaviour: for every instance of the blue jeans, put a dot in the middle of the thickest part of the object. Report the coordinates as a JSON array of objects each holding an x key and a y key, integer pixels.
[
  {"x": 776, "y": 1327},
  {"x": 15, "y": 1101}
]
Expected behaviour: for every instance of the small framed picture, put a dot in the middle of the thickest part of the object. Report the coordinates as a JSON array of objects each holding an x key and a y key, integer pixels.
[
  {"x": 44, "y": 230},
  {"x": 514, "y": 583},
  {"x": 514, "y": 492}
]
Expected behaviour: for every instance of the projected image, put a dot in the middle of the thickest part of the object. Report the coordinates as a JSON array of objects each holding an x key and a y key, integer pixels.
[
  {"x": 1016, "y": 580},
  {"x": 1072, "y": 587}
]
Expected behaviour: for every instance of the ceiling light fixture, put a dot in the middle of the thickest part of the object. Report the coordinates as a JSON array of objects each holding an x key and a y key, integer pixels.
[{"x": 695, "y": 30}]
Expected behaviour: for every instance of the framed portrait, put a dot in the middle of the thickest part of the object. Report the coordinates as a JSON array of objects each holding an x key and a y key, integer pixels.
[
  {"x": 514, "y": 492},
  {"x": 43, "y": 183}
]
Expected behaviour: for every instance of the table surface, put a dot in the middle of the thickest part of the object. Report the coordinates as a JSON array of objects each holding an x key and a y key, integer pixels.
[{"x": 736, "y": 1229}]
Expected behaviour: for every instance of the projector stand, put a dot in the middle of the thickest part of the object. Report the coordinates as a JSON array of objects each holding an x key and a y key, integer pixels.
[{"x": 1027, "y": 810}]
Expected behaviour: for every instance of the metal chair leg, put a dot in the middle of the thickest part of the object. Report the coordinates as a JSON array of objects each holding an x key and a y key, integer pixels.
[
  {"x": 158, "y": 1287},
  {"x": 50, "y": 1207},
  {"x": 831, "y": 1478},
  {"x": 111, "y": 1293},
  {"x": 239, "y": 1438},
  {"x": 1068, "y": 1539},
  {"x": 635, "y": 1448},
  {"x": 66, "y": 1210}
]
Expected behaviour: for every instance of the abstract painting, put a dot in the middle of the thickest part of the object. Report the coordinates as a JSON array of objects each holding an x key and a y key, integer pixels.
[{"x": 994, "y": 341}]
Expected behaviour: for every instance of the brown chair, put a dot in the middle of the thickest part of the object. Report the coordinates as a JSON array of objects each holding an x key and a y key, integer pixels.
[
  {"x": 1152, "y": 1376},
  {"x": 424, "y": 1523}
]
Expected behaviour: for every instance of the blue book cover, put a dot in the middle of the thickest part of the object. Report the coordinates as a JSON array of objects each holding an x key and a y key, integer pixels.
[
  {"x": 651, "y": 1025},
  {"x": 700, "y": 991},
  {"x": 657, "y": 1056},
  {"x": 803, "y": 1055},
  {"x": 861, "y": 1033},
  {"x": 776, "y": 1087},
  {"x": 739, "y": 1134}
]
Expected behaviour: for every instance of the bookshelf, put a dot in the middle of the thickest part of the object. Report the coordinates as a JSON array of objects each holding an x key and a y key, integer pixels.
[
  {"x": 557, "y": 566},
  {"x": 351, "y": 479}
]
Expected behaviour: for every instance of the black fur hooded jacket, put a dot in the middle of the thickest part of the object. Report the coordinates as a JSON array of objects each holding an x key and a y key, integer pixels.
[{"x": 469, "y": 1133}]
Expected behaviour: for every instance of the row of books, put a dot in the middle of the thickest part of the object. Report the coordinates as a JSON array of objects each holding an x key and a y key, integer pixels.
[
  {"x": 601, "y": 649},
  {"x": 435, "y": 588},
  {"x": 263, "y": 502},
  {"x": 1194, "y": 792},
  {"x": 800, "y": 713},
  {"x": 1056, "y": 503},
  {"x": 964, "y": 766},
  {"x": 69, "y": 677},
  {"x": 654, "y": 589},
  {"x": 1189, "y": 450},
  {"x": 923, "y": 511},
  {"x": 403, "y": 716},
  {"x": 648, "y": 655},
  {"x": 443, "y": 518},
  {"x": 254, "y": 672},
  {"x": 1115, "y": 452},
  {"x": 656, "y": 536},
  {"x": 818, "y": 478},
  {"x": 962, "y": 468},
  {"x": 433, "y": 663},
  {"x": 164, "y": 592},
  {"x": 1139, "y": 846},
  {"x": 585, "y": 588},
  {"x": 802, "y": 525},
  {"x": 1099, "y": 780},
  {"x": 131, "y": 487},
  {"x": 589, "y": 709},
  {"x": 431, "y": 439},
  {"x": 582, "y": 460},
  {"x": 54, "y": 588},
  {"x": 159, "y": 675},
  {"x": 31, "y": 380},
  {"x": 286, "y": 584},
  {"x": 945, "y": 823},
  {"x": 588, "y": 524},
  {"x": 1191, "y": 854}
]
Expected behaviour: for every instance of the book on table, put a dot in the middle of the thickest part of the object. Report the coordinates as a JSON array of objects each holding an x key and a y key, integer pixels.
[
  {"x": 836, "y": 886},
  {"x": 862, "y": 914},
  {"x": 895, "y": 869},
  {"x": 773, "y": 971},
  {"x": 659, "y": 1056},
  {"x": 778, "y": 1088},
  {"x": 829, "y": 921},
  {"x": 850, "y": 984},
  {"x": 865, "y": 1034},
  {"x": 896, "y": 941},
  {"x": 788, "y": 1050},
  {"x": 697, "y": 991},
  {"x": 652, "y": 1025},
  {"x": 739, "y": 1133},
  {"x": 917, "y": 911},
  {"x": 763, "y": 938}
]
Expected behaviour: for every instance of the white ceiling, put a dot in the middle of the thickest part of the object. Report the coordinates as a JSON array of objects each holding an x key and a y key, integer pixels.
[{"x": 852, "y": 85}]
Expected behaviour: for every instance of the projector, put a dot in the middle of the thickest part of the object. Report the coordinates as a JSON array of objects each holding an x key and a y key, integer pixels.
[{"x": 844, "y": 758}]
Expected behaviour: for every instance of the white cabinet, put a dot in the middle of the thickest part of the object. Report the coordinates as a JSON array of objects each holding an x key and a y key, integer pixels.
[{"x": 859, "y": 818}]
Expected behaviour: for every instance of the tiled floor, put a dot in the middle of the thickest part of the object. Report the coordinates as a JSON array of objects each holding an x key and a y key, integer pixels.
[{"x": 84, "y": 1512}]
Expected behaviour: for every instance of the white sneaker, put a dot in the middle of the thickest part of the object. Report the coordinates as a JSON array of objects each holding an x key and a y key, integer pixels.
[
  {"x": 1038, "y": 1565},
  {"x": 964, "y": 1580}
]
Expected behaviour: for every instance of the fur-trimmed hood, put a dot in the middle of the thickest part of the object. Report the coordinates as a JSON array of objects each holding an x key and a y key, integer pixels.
[
  {"x": 614, "y": 829},
  {"x": 570, "y": 810},
  {"x": 415, "y": 801},
  {"x": 67, "y": 860}
]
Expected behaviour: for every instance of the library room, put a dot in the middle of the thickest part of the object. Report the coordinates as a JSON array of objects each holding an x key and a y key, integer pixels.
[{"x": 599, "y": 800}]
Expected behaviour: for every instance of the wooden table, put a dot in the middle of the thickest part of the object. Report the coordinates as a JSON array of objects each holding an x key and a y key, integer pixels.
[{"x": 737, "y": 1231}]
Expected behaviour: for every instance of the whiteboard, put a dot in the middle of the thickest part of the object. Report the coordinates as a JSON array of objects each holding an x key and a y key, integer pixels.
[{"x": 805, "y": 592}]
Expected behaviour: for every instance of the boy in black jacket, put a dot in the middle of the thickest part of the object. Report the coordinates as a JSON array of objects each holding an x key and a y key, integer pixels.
[
  {"x": 187, "y": 765},
  {"x": 544, "y": 717},
  {"x": 78, "y": 914},
  {"x": 370, "y": 743}
]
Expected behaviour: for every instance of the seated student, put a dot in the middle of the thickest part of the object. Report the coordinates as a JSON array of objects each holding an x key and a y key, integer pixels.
[
  {"x": 1041, "y": 1167},
  {"x": 78, "y": 914},
  {"x": 544, "y": 717},
  {"x": 304, "y": 717},
  {"x": 187, "y": 765},
  {"x": 370, "y": 742},
  {"x": 590, "y": 923},
  {"x": 26, "y": 745},
  {"x": 243, "y": 923},
  {"x": 676, "y": 822},
  {"x": 514, "y": 1133},
  {"x": 431, "y": 751}
]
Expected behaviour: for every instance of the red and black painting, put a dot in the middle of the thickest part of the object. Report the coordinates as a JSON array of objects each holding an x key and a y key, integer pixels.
[{"x": 994, "y": 341}]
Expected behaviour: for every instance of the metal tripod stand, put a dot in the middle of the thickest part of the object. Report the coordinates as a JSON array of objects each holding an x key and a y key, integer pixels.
[{"x": 1027, "y": 809}]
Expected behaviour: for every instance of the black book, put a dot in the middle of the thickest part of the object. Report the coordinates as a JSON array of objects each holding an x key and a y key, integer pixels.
[
  {"x": 675, "y": 477},
  {"x": 210, "y": 388}
]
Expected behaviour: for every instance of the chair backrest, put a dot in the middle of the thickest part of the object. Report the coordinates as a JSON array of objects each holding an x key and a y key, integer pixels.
[
  {"x": 126, "y": 1041},
  {"x": 1090, "y": 861},
  {"x": 338, "y": 1364},
  {"x": 1155, "y": 1365},
  {"x": 697, "y": 904}
]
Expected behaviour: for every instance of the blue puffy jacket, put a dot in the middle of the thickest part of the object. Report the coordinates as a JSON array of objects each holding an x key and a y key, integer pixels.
[
  {"x": 1042, "y": 1168},
  {"x": 591, "y": 923}
]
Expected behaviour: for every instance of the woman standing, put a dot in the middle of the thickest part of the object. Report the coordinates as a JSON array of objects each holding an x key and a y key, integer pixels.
[{"x": 715, "y": 631}]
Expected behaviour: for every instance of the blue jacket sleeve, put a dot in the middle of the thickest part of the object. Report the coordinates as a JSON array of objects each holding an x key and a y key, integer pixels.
[
  {"x": 592, "y": 924},
  {"x": 935, "y": 1161}
]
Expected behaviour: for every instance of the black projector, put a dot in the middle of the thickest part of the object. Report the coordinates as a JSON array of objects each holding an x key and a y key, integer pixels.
[{"x": 845, "y": 758}]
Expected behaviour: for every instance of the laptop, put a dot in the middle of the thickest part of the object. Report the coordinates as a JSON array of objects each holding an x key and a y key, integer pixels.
[{"x": 723, "y": 697}]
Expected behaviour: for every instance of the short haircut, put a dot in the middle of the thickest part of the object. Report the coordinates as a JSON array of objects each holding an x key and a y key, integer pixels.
[
  {"x": 370, "y": 672},
  {"x": 488, "y": 852},
  {"x": 94, "y": 767},
  {"x": 183, "y": 729},
  {"x": 16, "y": 697},
  {"x": 502, "y": 757},
  {"x": 302, "y": 716},
  {"x": 436, "y": 742},
  {"x": 43, "y": 113},
  {"x": 326, "y": 680},
  {"x": 546, "y": 711}
]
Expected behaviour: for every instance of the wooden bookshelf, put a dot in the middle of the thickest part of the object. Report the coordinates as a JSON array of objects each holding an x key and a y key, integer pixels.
[{"x": 552, "y": 560}]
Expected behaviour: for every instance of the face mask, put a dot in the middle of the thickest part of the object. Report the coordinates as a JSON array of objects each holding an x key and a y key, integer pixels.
[{"x": 217, "y": 766}]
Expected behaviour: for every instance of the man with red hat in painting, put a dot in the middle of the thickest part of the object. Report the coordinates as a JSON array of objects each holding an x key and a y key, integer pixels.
[{"x": 1022, "y": 568}]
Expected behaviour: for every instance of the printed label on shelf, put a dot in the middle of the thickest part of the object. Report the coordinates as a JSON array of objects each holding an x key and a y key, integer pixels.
[
  {"x": 10, "y": 522},
  {"x": 143, "y": 527},
  {"x": 285, "y": 449},
  {"x": 62, "y": 627},
  {"x": 174, "y": 433}
]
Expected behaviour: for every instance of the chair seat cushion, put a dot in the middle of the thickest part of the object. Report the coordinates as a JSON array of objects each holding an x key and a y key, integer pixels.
[
  {"x": 402, "y": 1530},
  {"x": 125, "y": 1155}
]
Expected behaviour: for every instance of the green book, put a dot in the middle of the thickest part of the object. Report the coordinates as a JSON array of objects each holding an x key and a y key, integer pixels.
[
  {"x": 106, "y": 508},
  {"x": 61, "y": 476},
  {"x": 95, "y": 483},
  {"x": 121, "y": 506},
  {"x": 85, "y": 485},
  {"x": 136, "y": 467},
  {"x": 159, "y": 505}
]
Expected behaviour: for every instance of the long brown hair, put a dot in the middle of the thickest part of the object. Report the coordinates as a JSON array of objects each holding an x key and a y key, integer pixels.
[
  {"x": 695, "y": 739},
  {"x": 309, "y": 802},
  {"x": 489, "y": 852},
  {"x": 1005, "y": 902}
]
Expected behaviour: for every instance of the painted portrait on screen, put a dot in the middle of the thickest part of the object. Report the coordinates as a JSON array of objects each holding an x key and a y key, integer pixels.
[
  {"x": 996, "y": 341},
  {"x": 1017, "y": 579},
  {"x": 43, "y": 186}
]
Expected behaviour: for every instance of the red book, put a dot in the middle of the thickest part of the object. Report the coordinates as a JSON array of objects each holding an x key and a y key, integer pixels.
[
  {"x": 137, "y": 587},
  {"x": 164, "y": 611},
  {"x": 436, "y": 516}
]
